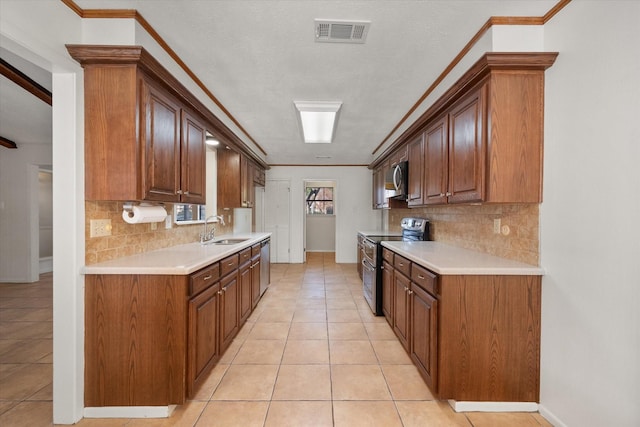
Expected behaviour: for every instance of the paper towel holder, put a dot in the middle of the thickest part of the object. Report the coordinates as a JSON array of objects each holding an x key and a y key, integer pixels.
[{"x": 128, "y": 206}]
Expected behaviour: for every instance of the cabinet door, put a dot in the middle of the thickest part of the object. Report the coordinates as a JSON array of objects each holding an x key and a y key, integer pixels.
[
  {"x": 202, "y": 349},
  {"x": 416, "y": 170},
  {"x": 387, "y": 292},
  {"x": 436, "y": 162},
  {"x": 193, "y": 161},
  {"x": 466, "y": 149},
  {"x": 228, "y": 179},
  {"x": 244, "y": 276},
  {"x": 229, "y": 310},
  {"x": 401, "y": 308},
  {"x": 246, "y": 182},
  {"x": 160, "y": 127},
  {"x": 424, "y": 329},
  {"x": 255, "y": 281}
]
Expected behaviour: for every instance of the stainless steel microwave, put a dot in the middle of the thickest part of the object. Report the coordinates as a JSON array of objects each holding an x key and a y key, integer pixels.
[{"x": 396, "y": 181}]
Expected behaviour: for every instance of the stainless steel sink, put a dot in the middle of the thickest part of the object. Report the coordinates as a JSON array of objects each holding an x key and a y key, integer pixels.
[{"x": 227, "y": 241}]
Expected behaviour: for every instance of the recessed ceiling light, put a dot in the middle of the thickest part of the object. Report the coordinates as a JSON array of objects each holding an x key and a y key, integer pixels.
[
  {"x": 211, "y": 140},
  {"x": 318, "y": 120}
]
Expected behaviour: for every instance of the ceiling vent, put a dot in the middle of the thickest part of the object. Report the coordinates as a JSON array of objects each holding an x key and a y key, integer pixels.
[{"x": 335, "y": 31}]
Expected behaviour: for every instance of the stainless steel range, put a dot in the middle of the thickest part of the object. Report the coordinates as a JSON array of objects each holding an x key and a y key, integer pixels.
[{"x": 413, "y": 229}]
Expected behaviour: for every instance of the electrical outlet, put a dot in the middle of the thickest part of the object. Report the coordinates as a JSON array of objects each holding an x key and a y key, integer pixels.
[
  {"x": 100, "y": 227},
  {"x": 496, "y": 226},
  {"x": 154, "y": 225},
  {"x": 168, "y": 222}
]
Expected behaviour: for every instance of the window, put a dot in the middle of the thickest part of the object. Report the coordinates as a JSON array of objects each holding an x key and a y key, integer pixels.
[
  {"x": 319, "y": 200},
  {"x": 188, "y": 214}
]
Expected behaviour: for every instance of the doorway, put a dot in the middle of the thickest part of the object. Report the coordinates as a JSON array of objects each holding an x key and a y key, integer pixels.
[{"x": 319, "y": 216}]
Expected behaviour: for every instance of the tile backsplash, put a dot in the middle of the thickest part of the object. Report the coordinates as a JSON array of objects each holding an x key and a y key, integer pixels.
[
  {"x": 128, "y": 239},
  {"x": 472, "y": 227}
]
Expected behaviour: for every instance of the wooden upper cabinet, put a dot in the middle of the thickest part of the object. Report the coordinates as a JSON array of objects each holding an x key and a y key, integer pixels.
[
  {"x": 466, "y": 150},
  {"x": 143, "y": 138},
  {"x": 236, "y": 179},
  {"x": 160, "y": 136},
  {"x": 484, "y": 135},
  {"x": 436, "y": 161},
  {"x": 193, "y": 159},
  {"x": 416, "y": 171}
]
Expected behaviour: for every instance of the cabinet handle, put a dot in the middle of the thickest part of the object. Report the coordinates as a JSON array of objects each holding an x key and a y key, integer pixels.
[
  {"x": 406, "y": 289},
  {"x": 219, "y": 292},
  {"x": 410, "y": 292},
  {"x": 441, "y": 194},
  {"x": 186, "y": 193},
  {"x": 401, "y": 264},
  {"x": 207, "y": 277},
  {"x": 230, "y": 264},
  {"x": 448, "y": 194},
  {"x": 420, "y": 276},
  {"x": 179, "y": 192}
]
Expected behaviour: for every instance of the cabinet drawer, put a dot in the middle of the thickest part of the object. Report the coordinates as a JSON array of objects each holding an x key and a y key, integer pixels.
[
  {"x": 228, "y": 265},
  {"x": 401, "y": 264},
  {"x": 255, "y": 250},
  {"x": 425, "y": 279},
  {"x": 387, "y": 255},
  {"x": 204, "y": 278},
  {"x": 245, "y": 255}
]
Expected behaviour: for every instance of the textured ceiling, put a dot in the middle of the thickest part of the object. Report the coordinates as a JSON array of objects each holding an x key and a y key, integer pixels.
[{"x": 258, "y": 56}]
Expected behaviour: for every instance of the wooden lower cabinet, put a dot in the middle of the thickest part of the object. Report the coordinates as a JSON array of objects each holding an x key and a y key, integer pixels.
[
  {"x": 424, "y": 334},
  {"x": 150, "y": 340},
  {"x": 229, "y": 310},
  {"x": 135, "y": 340},
  {"x": 401, "y": 325},
  {"x": 203, "y": 349},
  {"x": 472, "y": 337},
  {"x": 387, "y": 292},
  {"x": 246, "y": 302},
  {"x": 255, "y": 280}
]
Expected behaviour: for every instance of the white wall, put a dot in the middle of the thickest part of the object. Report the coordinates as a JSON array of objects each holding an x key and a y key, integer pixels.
[
  {"x": 16, "y": 193},
  {"x": 353, "y": 205},
  {"x": 590, "y": 232}
]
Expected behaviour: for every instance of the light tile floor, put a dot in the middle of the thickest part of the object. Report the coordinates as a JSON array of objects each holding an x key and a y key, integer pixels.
[{"x": 311, "y": 354}]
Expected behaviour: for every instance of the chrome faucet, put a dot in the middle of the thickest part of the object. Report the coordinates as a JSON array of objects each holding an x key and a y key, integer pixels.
[{"x": 208, "y": 235}]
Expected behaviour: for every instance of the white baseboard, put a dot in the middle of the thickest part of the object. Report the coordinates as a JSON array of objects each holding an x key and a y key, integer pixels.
[
  {"x": 46, "y": 264},
  {"x": 493, "y": 406},
  {"x": 129, "y": 411},
  {"x": 549, "y": 416}
]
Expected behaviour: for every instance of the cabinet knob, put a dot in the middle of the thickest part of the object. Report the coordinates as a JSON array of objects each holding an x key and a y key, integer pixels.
[
  {"x": 219, "y": 292},
  {"x": 406, "y": 289},
  {"x": 449, "y": 194},
  {"x": 186, "y": 193},
  {"x": 410, "y": 292},
  {"x": 179, "y": 192},
  {"x": 441, "y": 194}
]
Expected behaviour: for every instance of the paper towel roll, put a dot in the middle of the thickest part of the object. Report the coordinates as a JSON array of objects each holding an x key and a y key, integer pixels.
[{"x": 142, "y": 214}]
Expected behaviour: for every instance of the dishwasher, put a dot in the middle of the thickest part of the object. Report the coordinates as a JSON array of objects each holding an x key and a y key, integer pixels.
[{"x": 265, "y": 267}]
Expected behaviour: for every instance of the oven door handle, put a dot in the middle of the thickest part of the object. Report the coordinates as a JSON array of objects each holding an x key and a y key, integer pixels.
[{"x": 367, "y": 265}]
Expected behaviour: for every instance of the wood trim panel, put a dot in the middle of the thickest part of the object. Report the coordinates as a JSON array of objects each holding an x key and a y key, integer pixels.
[
  {"x": 134, "y": 14},
  {"x": 134, "y": 351},
  {"x": 7, "y": 143},
  {"x": 494, "y": 20},
  {"x": 489, "y": 329},
  {"x": 25, "y": 82}
]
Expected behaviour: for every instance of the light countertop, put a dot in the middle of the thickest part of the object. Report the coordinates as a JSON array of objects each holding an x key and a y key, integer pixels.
[
  {"x": 380, "y": 233},
  {"x": 176, "y": 260},
  {"x": 446, "y": 259}
]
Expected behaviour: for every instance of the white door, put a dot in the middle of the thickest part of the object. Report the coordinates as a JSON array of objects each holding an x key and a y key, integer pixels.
[{"x": 276, "y": 221}]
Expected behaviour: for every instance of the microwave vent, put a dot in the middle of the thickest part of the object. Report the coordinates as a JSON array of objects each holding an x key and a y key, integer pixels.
[{"x": 335, "y": 31}]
